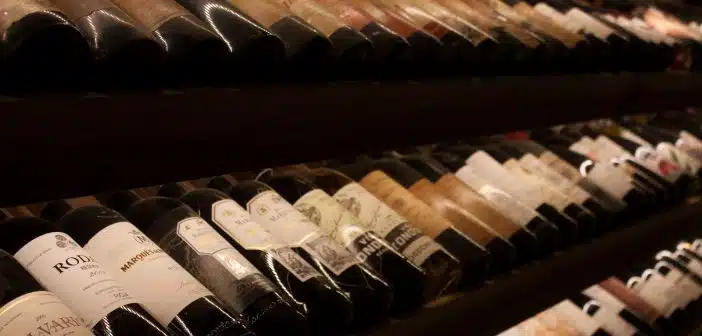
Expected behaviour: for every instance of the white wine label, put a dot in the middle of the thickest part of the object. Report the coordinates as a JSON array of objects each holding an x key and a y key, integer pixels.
[
  {"x": 200, "y": 236},
  {"x": 300, "y": 268},
  {"x": 602, "y": 296},
  {"x": 237, "y": 223},
  {"x": 690, "y": 149},
  {"x": 40, "y": 313},
  {"x": 650, "y": 159},
  {"x": 585, "y": 146},
  {"x": 608, "y": 149},
  {"x": 577, "y": 318},
  {"x": 557, "y": 17},
  {"x": 612, "y": 323},
  {"x": 205, "y": 240},
  {"x": 132, "y": 257},
  {"x": 486, "y": 167},
  {"x": 385, "y": 222},
  {"x": 612, "y": 179},
  {"x": 546, "y": 192},
  {"x": 694, "y": 265},
  {"x": 507, "y": 205},
  {"x": 66, "y": 269},
  {"x": 281, "y": 219},
  {"x": 295, "y": 229},
  {"x": 576, "y": 194},
  {"x": 591, "y": 24},
  {"x": 329, "y": 253},
  {"x": 334, "y": 220}
]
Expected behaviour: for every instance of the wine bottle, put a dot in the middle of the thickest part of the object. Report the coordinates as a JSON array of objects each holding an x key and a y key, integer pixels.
[
  {"x": 490, "y": 52},
  {"x": 691, "y": 281},
  {"x": 192, "y": 242},
  {"x": 388, "y": 47},
  {"x": 371, "y": 295},
  {"x": 586, "y": 223},
  {"x": 518, "y": 212},
  {"x": 124, "y": 53},
  {"x": 173, "y": 296},
  {"x": 658, "y": 290},
  {"x": 473, "y": 257},
  {"x": 575, "y": 193},
  {"x": 483, "y": 164},
  {"x": 619, "y": 290},
  {"x": 610, "y": 202},
  {"x": 327, "y": 306},
  {"x": 608, "y": 318},
  {"x": 448, "y": 184},
  {"x": 442, "y": 269},
  {"x": 70, "y": 272},
  {"x": 186, "y": 38},
  {"x": 252, "y": 42},
  {"x": 424, "y": 48},
  {"x": 615, "y": 306},
  {"x": 407, "y": 279},
  {"x": 350, "y": 46},
  {"x": 37, "y": 36},
  {"x": 27, "y": 307},
  {"x": 307, "y": 49},
  {"x": 601, "y": 148},
  {"x": 503, "y": 254}
]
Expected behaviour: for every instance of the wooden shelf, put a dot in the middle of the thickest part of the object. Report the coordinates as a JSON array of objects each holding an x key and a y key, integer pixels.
[
  {"x": 68, "y": 145},
  {"x": 508, "y": 300}
]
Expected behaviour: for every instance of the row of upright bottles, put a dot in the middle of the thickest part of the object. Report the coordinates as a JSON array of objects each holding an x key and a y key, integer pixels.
[
  {"x": 105, "y": 43},
  {"x": 342, "y": 245},
  {"x": 659, "y": 297}
]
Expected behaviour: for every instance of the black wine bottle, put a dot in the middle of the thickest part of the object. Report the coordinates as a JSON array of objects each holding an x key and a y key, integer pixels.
[
  {"x": 307, "y": 48},
  {"x": 443, "y": 269},
  {"x": 473, "y": 257},
  {"x": 407, "y": 279},
  {"x": 484, "y": 165},
  {"x": 27, "y": 307},
  {"x": 71, "y": 272},
  {"x": 328, "y": 307},
  {"x": 174, "y": 297},
  {"x": 192, "y": 242},
  {"x": 122, "y": 48},
  {"x": 252, "y": 42},
  {"x": 520, "y": 213},
  {"x": 448, "y": 184},
  {"x": 186, "y": 39},
  {"x": 371, "y": 295},
  {"x": 612, "y": 305},
  {"x": 576, "y": 194},
  {"x": 352, "y": 48},
  {"x": 37, "y": 36},
  {"x": 608, "y": 319}
]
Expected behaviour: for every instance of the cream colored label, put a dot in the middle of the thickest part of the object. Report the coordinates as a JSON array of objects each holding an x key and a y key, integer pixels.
[
  {"x": 40, "y": 313},
  {"x": 536, "y": 167},
  {"x": 588, "y": 22},
  {"x": 612, "y": 323},
  {"x": 486, "y": 167},
  {"x": 295, "y": 229},
  {"x": 585, "y": 146},
  {"x": 133, "y": 258},
  {"x": 537, "y": 187},
  {"x": 12, "y": 11},
  {"x": 658, "y": 293},
  {"x": 233, "y": 219},
  {"x": 264, "y": 12},
  {"x": 418, "y": 213},
  {"x": 386, "y": 223},
  {"x": 330, "y": 216},
  {"x": 608, "y": 149},
  {"x": 611, "y": 179},
  {"x": 300, "y": 268},
  {"x": 69, "y": 271},
  {"x": 151, "y": 13},
  {"x": 76, "y": 9},
  {"x": 576, "y": 317},
  {"x": 315, "y": 15}
]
